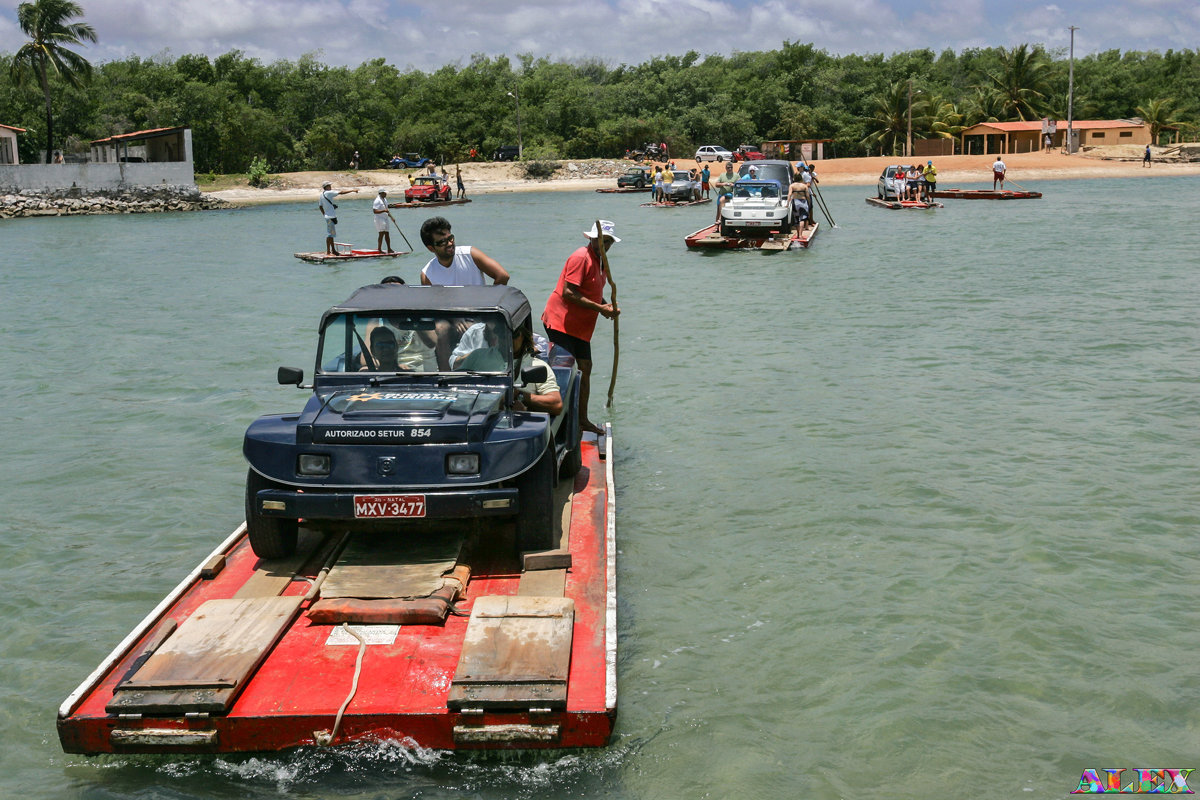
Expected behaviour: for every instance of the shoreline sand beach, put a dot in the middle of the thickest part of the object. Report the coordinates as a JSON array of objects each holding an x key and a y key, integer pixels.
[{"x": 482, "y": 178}]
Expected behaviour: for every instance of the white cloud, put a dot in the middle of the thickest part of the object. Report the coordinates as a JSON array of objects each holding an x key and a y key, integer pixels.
[{"x": 426, "y": 34}]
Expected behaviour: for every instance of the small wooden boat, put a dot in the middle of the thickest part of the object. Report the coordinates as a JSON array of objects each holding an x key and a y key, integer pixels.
[
  {"x": 348, "y": 254},
  {"x": 986, "y": 194},
  {"x": 673, "y": 204},
  {"x": 625, "y": 190},
  {"x": 711, "y": 238},
  {"x": 429, "y": 203},
  {"x": 875, "y": 201},
  {"x": 240, "y": 656}
]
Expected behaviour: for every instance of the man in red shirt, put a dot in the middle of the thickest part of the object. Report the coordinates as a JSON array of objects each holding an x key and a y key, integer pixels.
[{"x": 571, "y": 310}]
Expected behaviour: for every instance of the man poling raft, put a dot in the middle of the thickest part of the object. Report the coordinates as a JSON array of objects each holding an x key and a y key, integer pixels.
[{"x": 573, "y": 306}]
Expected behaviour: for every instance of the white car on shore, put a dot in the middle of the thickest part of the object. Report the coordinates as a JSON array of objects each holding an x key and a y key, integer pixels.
[{"x": 713, "y": 153}]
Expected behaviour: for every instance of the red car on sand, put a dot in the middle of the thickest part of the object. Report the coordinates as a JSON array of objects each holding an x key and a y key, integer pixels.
[
  {"x": 427, "y": 188},
  {"x": 747, "y": 152}
]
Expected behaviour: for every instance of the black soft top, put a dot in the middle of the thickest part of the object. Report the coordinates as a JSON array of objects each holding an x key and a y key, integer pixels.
[{"x": 398, "y": 298}]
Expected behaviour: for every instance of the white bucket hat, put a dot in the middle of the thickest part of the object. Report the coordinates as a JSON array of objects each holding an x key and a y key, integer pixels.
[{"x": 606, "y": 229}]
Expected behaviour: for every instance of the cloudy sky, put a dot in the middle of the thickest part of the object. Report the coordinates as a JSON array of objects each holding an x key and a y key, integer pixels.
[{"x": 426, "y": 34}]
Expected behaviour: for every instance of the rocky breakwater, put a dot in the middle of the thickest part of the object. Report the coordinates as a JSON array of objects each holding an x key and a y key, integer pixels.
[
  {"x": 594, "y": 168},
  {"x": 138, "y": 200}
]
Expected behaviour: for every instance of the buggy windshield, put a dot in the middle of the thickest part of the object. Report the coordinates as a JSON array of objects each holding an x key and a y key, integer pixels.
[{"x": 392, "y": 342}]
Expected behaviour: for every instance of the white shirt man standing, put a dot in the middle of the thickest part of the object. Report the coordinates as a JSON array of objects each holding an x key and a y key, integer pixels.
[
  {"x": 998, "y": 170},
  {"x": 329, "y": 210},
  {"x": 380, "y": 211}
]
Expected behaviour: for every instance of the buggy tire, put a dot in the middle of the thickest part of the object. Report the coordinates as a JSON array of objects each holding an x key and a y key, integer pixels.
[
  {"x": 535, "y": 511},
  {"x": 270, "y": 537},
  {"x": 572, "y": 461}
]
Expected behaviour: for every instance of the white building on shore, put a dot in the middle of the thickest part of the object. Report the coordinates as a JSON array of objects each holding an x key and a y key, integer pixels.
[
  {"x": 156, "y": 158},
  {"x": 8, "y": 145}
]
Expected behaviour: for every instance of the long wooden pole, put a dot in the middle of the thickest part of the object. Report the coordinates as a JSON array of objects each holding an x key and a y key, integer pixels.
[
  {"x": 402, "y": 236},
  {"x": 612, "y": 381}
]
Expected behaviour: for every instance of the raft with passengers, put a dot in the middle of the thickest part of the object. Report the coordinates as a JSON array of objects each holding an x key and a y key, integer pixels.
[
  {"x": 428, "y": 556},
  {"x": 766, "y": 206}
]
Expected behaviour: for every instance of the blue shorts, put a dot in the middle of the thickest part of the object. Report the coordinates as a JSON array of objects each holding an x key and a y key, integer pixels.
[{"x": 330, "y": 226}]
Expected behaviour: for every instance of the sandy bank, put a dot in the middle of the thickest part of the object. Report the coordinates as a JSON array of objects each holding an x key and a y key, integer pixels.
[{"x": 483, "y": 178}]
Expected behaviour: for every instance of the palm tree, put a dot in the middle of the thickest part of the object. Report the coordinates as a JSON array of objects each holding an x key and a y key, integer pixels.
[
  {"x": 945, "y": 120},
  {"x": 887, "y": 127},
  {"x": 1159, "y": 114},
  {"x": 47, "y": 24},
  {"x": 982, "y": 105},
  {"x": 1023, "y": 82}
]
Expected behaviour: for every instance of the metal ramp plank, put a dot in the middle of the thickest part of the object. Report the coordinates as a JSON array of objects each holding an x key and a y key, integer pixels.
[
  {"x": 516, "y": 654},
  {"x": 204, "y": 665}
]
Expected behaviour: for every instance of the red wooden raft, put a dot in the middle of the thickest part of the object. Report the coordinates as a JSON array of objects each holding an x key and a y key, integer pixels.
[
  {"x": 987, "y": 194},
  {"x": 711, "y": 238},
  {"x": 233, "y": 661}
]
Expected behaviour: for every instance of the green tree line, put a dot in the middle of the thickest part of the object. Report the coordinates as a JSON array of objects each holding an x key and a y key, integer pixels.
[{"x": 306, "y": 115}]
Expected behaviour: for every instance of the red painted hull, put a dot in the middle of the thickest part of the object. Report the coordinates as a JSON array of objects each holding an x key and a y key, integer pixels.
[
  {"x": 429, "y": 203},
  {"x": 320, "y": 258},
  {"x": 986, "y": 194},
  {"x": 403, "y": 686}
]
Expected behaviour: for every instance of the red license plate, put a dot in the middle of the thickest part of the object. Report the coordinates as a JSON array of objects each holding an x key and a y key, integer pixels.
[{"x": 388, "y": 506}]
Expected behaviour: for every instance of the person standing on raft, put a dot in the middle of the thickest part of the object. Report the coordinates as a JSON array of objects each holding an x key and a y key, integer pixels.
[{"x": 573, "y": 306}]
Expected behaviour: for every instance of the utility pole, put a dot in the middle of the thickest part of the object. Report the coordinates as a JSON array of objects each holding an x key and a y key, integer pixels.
[
  {"x": 1071, "y": 96},
  {"x": 908, "y": 145},
  {"x": 520, "y": 146}
]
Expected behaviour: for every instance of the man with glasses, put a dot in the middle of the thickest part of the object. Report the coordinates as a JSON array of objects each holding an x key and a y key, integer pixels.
[{"x": 455, "y": 265}]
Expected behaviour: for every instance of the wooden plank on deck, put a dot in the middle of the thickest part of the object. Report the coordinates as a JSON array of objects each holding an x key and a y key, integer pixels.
[
  {"x": 395, "y": 566},
  {"x": 516, "y": 654},
  {"x": 272, "y": 576},
  {"x": 204, "y": 665}
]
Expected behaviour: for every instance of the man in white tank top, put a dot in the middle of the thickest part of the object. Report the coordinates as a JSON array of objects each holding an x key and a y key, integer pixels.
[{"x": 455, "y": 265}]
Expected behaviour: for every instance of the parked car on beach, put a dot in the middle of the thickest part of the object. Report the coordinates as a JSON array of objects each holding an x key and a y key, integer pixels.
[
  {"x": 748, "y": 152},
  {"x": 713, "y": 153},
  {"x": 408, "y": 161},
  {"x": 427, "y": 188},
  {"x": 506, "y": 152},
  {"x": 390, "y": 438}
]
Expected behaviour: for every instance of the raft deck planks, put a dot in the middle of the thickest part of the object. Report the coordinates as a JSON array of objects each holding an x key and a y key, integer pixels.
[{"x": 406, "y": 673}]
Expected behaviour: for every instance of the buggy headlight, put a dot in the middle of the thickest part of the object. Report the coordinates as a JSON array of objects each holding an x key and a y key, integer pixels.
[
  {"x": 312, "y": 464},
  {"x": 462, "y": 464}
]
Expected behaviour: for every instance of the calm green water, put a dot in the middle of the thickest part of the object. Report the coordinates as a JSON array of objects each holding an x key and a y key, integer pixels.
[{"x": 912, "y": 513}]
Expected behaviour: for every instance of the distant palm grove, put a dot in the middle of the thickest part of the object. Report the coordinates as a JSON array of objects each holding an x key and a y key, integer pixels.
[{"x": 305, "y": 115}]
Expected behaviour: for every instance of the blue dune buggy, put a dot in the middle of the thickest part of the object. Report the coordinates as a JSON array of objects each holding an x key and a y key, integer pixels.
[{"x": 415, "y": 415}]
